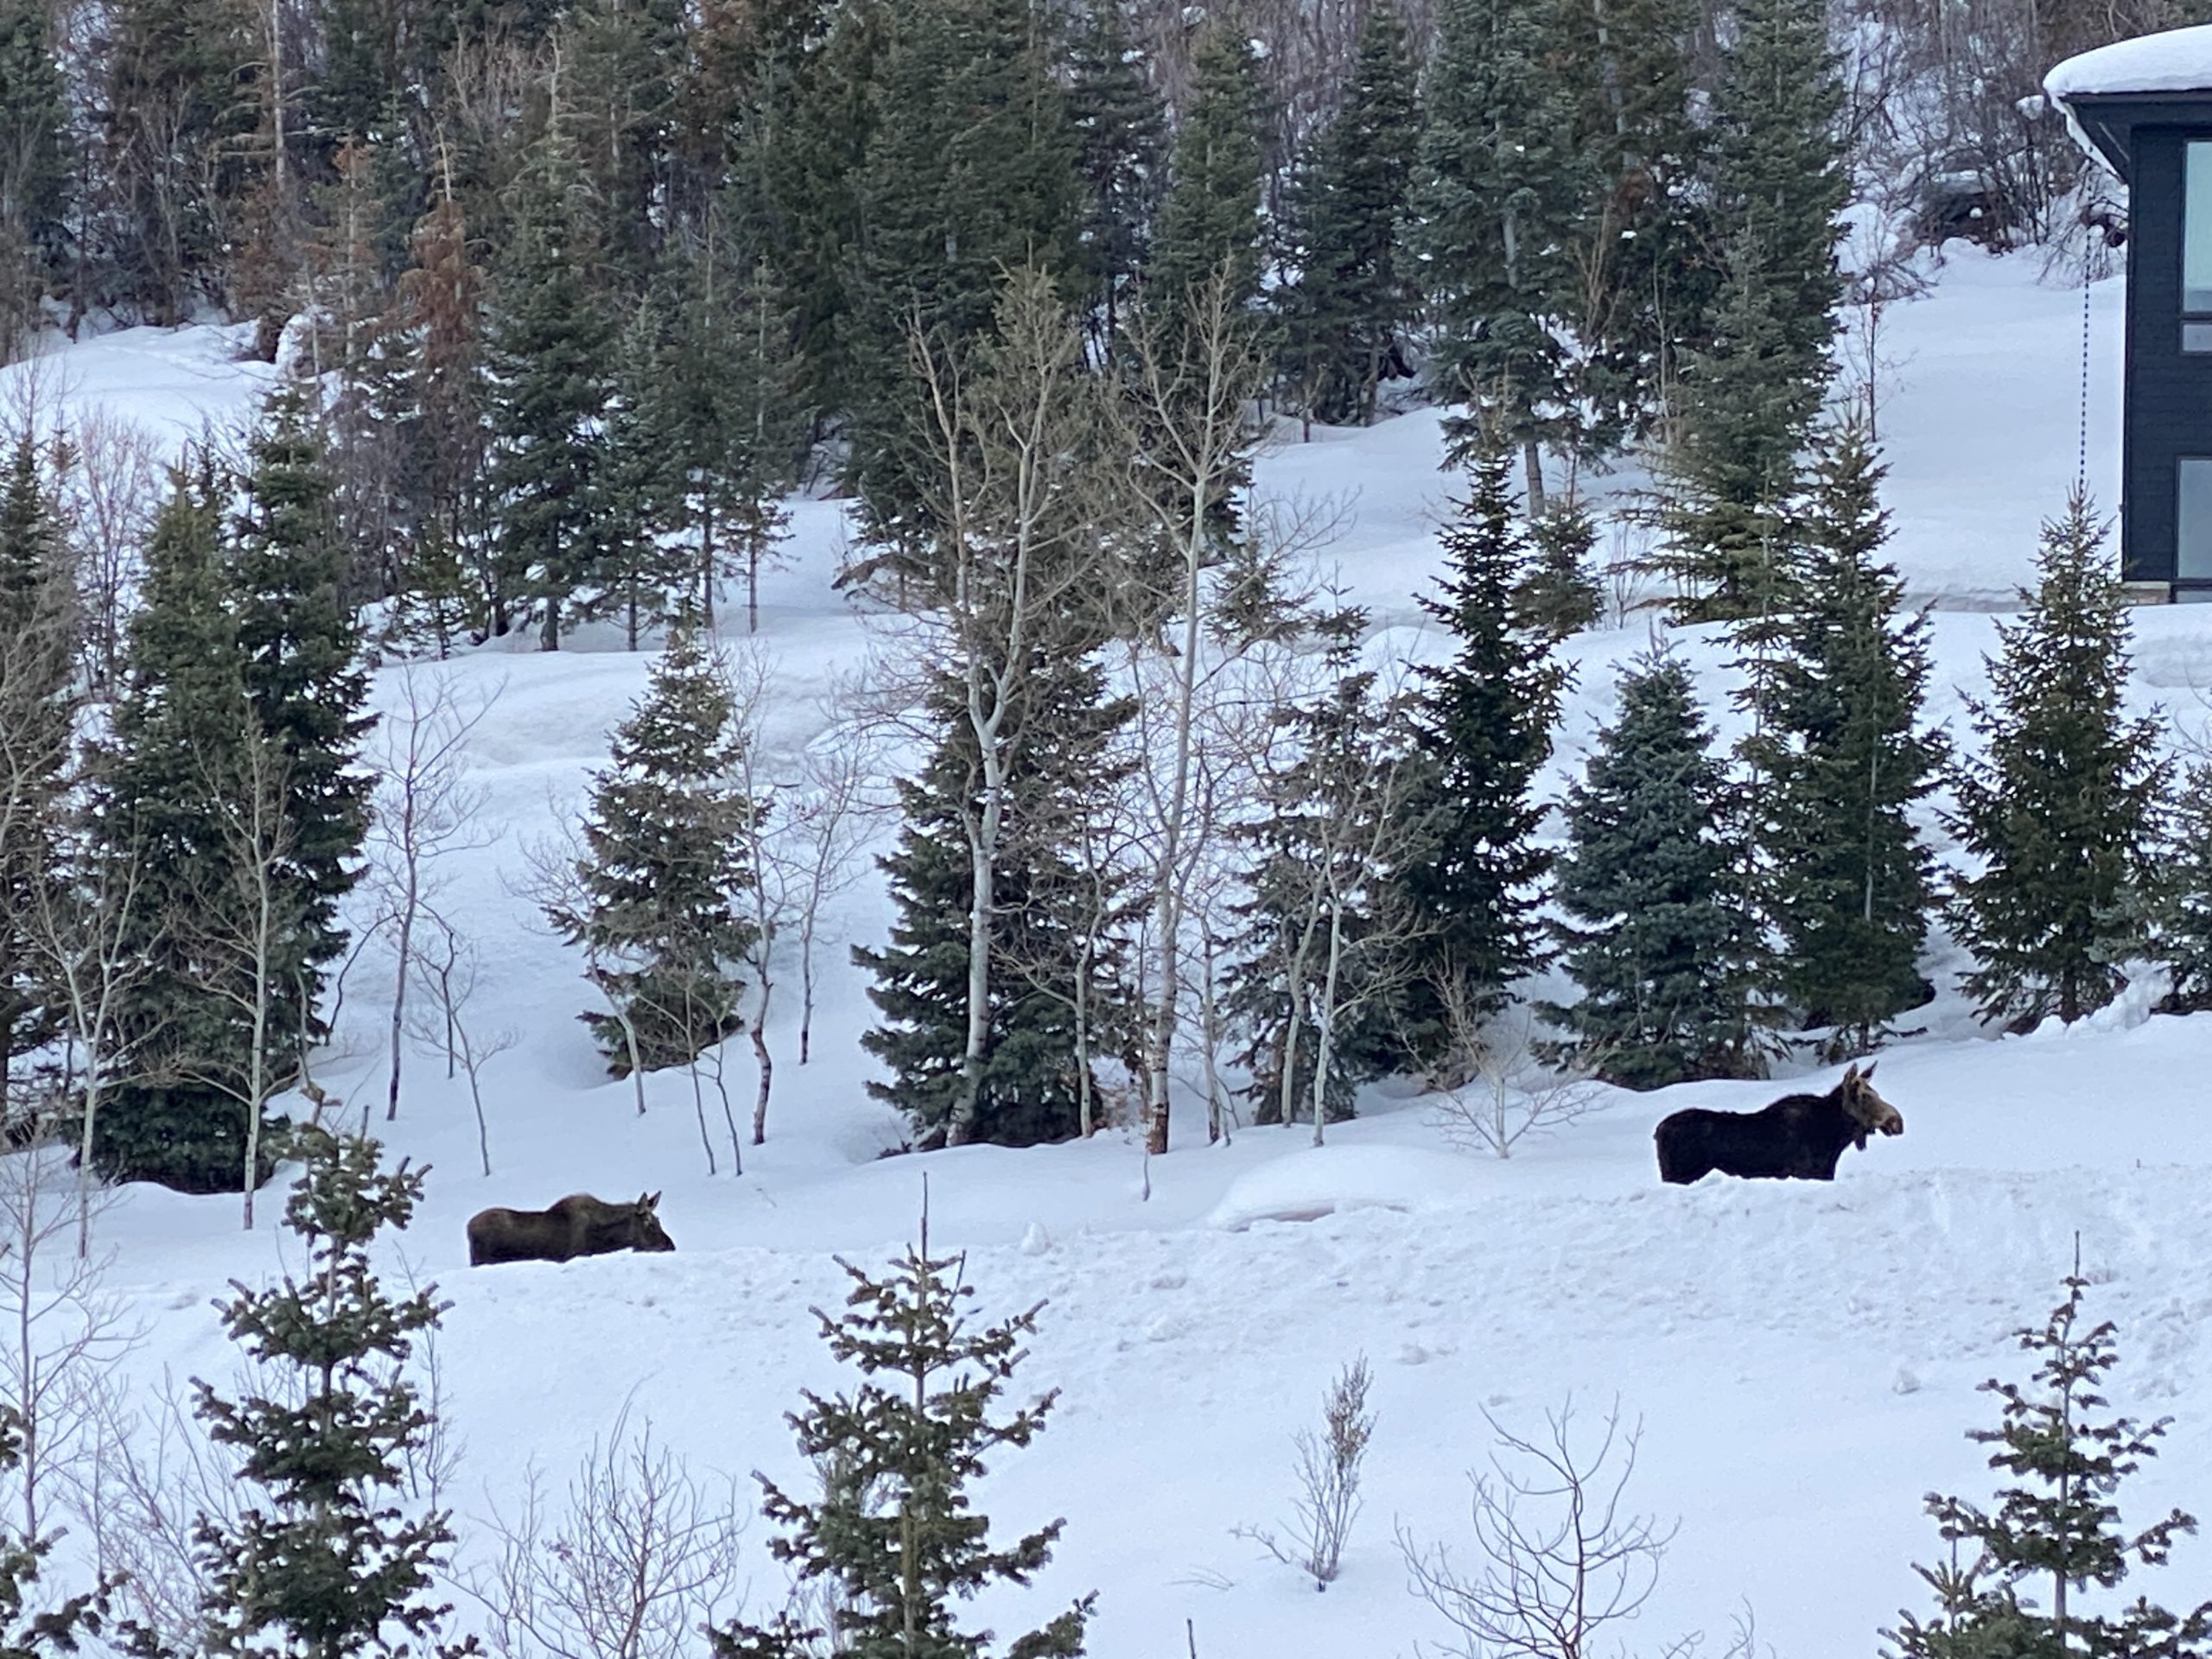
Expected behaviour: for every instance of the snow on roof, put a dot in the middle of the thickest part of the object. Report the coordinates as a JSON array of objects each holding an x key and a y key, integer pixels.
[{"x": 2176, "y": 61}]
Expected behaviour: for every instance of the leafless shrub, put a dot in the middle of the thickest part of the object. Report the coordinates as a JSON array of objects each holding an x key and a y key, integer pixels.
[
  {"x": 638, "y": 1560},
  {"x": 112, "y": 489},
  {"x": 440, "y": 1023},
  {"x": 1328, "y": 1477},
  {"x": 152, "y": 1475},
  {"x": 1559, "y": 1559},
  {"x": 1507, "y": 1093},
  {"x": 64, "y": 1335}
]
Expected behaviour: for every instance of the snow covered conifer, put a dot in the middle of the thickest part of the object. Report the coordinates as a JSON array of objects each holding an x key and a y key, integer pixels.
[
  {"x": 896, "y": 1533},
  {"x": 2016, "y": 1587},
  {"x": 1655, "y": 933},
  {"x": 662, "y": 908},
  {"x": 324, "y": 1561},
  {"x": 1845, "y": 760},
  {"x": 1483, "y": 724},
  {"x": 2061, "y": 804}
]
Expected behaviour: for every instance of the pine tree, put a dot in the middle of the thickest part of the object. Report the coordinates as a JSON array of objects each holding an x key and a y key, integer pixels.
[
  {"x": 1210, "y": 216},
  {"x": 641, "y": 576},
  {"x": 1780, "y": 180},
  {"x": 300, "y": 644},
  {"x": 1741, "y": 428},
  {"x": 1121, "y": 154},
  {"x": 1655, "y": 933},
  {"x": 1750, "y": 396},
  {"x": 620, "y": 59},
  {"x": 1031, "y": 1088},
  {"x": 328, "y": 1561},
  {"x": 660, "y": 905},
  {"x": 1328, "y": 933},
  {"x": 2177, "y": 905},
  {"x": 1500, "y": 191},
  {"x": 1558, "y": 594},
  {"x": 175, "y": 752},
  {"x": 969, "y": 174},
  {"x": 1847, "y": 759},
  {"x": 37, "y": 712},
  {"x": 2057, "y": 1532},
  {"x": 547, "y": 347},
  {"x": 1649, "y": 279},
  {"x": 1354, "y": 298},
  {"x": 1483, "y": 723},
  {"x": 895, "y": 1533},
  {"x": 37, "y": 170},
  {"x": 2060, "y": 806}
]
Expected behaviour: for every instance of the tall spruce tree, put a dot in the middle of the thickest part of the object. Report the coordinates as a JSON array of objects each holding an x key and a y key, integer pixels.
[
  {"x": 2177, "y": 905},
  {"x": 2060, "y": 807},
  {"x": 1210, "y": 217},
  {"x": 1750, "y": 396},
  {"x": 659, "y": 903},
  {"x": 895, "y": 1536},
  {"x": 969, "y": 174},
  {"x": 300, "y": 644},
  {"x": 1483, "y": 723},
  {"x": 2054, "y": 1535},
  {"x": 1845, "y": 760},
  {"x": 37, "y": 170},
  {"x": 1780, "y": 179},
  {"x": 174, "y": 750},
  {"x": 1654, "y": 931},
  {"x": 1327, "y": 933},
  {"x": 325, "y": 1560},
  {"x": 1502, "y": 187},
  {"x": 37, "y": 714},
  {"x": 1046, "y": 915},
  {"x": 1121, "y": 156},
  {"x": 1648, "y": 278},
  {"x": 547, "y": 350},
  {"x": 1347, "y": 312}
]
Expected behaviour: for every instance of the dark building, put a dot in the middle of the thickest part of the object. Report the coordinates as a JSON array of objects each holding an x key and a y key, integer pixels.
[{"x": 2144, "y": 107}]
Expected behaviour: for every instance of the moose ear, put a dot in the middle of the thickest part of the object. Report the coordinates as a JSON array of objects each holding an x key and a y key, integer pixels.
[
  {"x": 653, "y": 1203},
  {"x": 1851, "y": 1074},
  {"x": 645, "y": 1201},
  {"x": 1869, "y": 1071}
]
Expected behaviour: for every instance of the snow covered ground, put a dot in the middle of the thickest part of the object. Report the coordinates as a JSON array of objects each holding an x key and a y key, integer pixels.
[{"x": 1803, "y": 1359}]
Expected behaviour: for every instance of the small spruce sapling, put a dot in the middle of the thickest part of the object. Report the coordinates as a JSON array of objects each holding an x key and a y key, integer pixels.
[
  {"x": 895, "y": 1533},
  {"x": 329, "y": 1563},
  {"x": 2015, "y": 1575}
]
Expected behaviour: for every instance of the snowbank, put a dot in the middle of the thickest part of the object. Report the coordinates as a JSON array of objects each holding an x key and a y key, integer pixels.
[{"x": 2176, "y": 61}]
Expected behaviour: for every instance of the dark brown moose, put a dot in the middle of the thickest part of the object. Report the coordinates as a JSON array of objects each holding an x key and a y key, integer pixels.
[
  {"x": 578, "y": 1226},
  {"x": 1800, "y": 1137}
]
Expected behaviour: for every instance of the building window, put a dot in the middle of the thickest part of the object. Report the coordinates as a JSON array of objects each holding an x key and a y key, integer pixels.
[
  {"x": 2196, "y": 248},
  {"x": 2193, "y": 520}
]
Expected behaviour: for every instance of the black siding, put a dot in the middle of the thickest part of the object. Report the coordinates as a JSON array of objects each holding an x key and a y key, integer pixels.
[{"x": 2169, "y": 403}]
